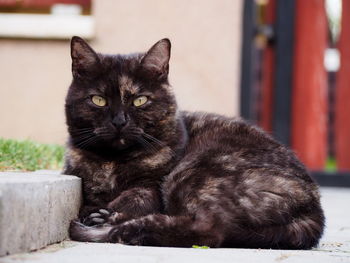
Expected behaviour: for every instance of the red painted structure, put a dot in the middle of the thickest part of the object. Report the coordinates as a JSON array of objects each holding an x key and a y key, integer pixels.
[
  {"x": 342, "y": 110},
  {"x": 309, "y": 94},
  {"x": 268, "y": 73},
  {"x": 42, "y": 3},
  {"x": 309, "y": 98}
]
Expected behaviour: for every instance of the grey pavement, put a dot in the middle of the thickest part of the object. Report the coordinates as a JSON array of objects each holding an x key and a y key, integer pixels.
[{"x": 334, "y": 246}]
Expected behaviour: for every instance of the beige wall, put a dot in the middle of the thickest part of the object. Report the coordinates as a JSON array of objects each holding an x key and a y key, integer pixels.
[{"x": 204, "y": 69}]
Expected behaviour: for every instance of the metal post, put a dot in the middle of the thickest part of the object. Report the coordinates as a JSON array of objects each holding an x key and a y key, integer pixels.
[
  {"x": 248, "y": 31},
  {"x": 284, "y": 34}
]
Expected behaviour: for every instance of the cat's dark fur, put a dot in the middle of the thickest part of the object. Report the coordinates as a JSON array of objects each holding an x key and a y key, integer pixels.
[{"x": 164, "y": 177}]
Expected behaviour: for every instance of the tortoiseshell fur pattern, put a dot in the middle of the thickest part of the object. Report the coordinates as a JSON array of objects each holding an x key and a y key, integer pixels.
[{"x": 157, "y": 176}]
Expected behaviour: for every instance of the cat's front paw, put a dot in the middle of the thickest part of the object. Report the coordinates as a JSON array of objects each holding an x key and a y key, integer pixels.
[
  {"x": 126, "y": 233},
  {"x": 118, "y": 218},
  {"x": 99, "y": 217}
]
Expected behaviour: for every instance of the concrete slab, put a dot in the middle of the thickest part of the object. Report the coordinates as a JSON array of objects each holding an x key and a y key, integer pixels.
[
  {"x": 334, "y": 247},
  {"x": 35, "y": 209}
]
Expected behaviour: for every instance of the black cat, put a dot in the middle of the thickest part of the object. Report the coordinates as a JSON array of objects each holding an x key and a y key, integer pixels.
[{"x": 154, "y": 175}]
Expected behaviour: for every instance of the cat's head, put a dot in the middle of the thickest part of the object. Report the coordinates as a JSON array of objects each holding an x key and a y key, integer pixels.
[{"x": 119, "y": 101}]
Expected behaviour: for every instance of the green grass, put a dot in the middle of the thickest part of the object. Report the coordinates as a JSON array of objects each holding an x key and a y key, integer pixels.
[{"x": 29, "y": 156}]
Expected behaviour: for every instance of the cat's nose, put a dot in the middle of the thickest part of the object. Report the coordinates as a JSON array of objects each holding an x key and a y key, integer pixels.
[{"x": 120, "y": 120}]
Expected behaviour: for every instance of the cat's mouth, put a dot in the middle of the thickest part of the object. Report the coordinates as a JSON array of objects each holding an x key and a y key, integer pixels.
[
  {"x": 106, "y": 137},
  {"x": 118, "y": 138},
  {"x": 120, "y": 143}
]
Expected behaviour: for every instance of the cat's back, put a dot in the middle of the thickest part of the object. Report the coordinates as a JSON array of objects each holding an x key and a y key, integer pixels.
[
  {"x": 215, "y": 139},
  {"x": 213, "y": 128}
]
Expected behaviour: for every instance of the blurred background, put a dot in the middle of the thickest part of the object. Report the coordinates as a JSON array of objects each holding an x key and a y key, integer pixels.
[
  {"x": 35, "y": 63},
  {"x": 282, "y": 64}
]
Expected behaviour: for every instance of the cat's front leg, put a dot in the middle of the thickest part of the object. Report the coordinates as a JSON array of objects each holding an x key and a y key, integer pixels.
[
  {"x": 134, "y": 203},
  {"x": 101, "y": 216}
]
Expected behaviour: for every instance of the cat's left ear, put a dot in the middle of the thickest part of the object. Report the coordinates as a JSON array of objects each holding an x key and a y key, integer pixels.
[
  {"x": 85, "y": 61},
  {"x": 156, "y": 61}
]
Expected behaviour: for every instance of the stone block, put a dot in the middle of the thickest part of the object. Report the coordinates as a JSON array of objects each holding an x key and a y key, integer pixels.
[{"x": 36, "y": 208}]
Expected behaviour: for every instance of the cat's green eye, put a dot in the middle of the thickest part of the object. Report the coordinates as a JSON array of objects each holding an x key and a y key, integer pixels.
[
  {"x": 99, "y": 101},
  {"x": 139, "y": 101}
]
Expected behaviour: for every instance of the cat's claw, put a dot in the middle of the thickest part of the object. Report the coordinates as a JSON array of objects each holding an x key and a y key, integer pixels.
[
  {"x": 95, "y": 215},
  {"x": 104, "y": 212},
  {"x": 97, "y": 218}
]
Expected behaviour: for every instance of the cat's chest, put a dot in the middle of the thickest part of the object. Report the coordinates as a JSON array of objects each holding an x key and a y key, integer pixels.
[
  {"x": 98, "y": 176},
  {"x": 104, "y": 177},
  {"x": 105, "y": 180}
]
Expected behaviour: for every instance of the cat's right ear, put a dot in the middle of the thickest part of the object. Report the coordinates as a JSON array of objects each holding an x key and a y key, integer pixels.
[{"x": 85, "y": 61}]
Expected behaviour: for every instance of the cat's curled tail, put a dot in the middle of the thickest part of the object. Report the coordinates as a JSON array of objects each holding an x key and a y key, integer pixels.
[{"x": 81, "y": 232}]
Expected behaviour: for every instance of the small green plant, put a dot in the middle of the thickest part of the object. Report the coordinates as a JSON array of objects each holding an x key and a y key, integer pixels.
[
  {"x": 29, "y": 156},
  {"x": 201, "y": 247},
  {"x": 331, "y": 165}
]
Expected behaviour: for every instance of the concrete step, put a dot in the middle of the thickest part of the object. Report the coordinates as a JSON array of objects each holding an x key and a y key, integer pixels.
[{"x": 36, "y": 208}]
